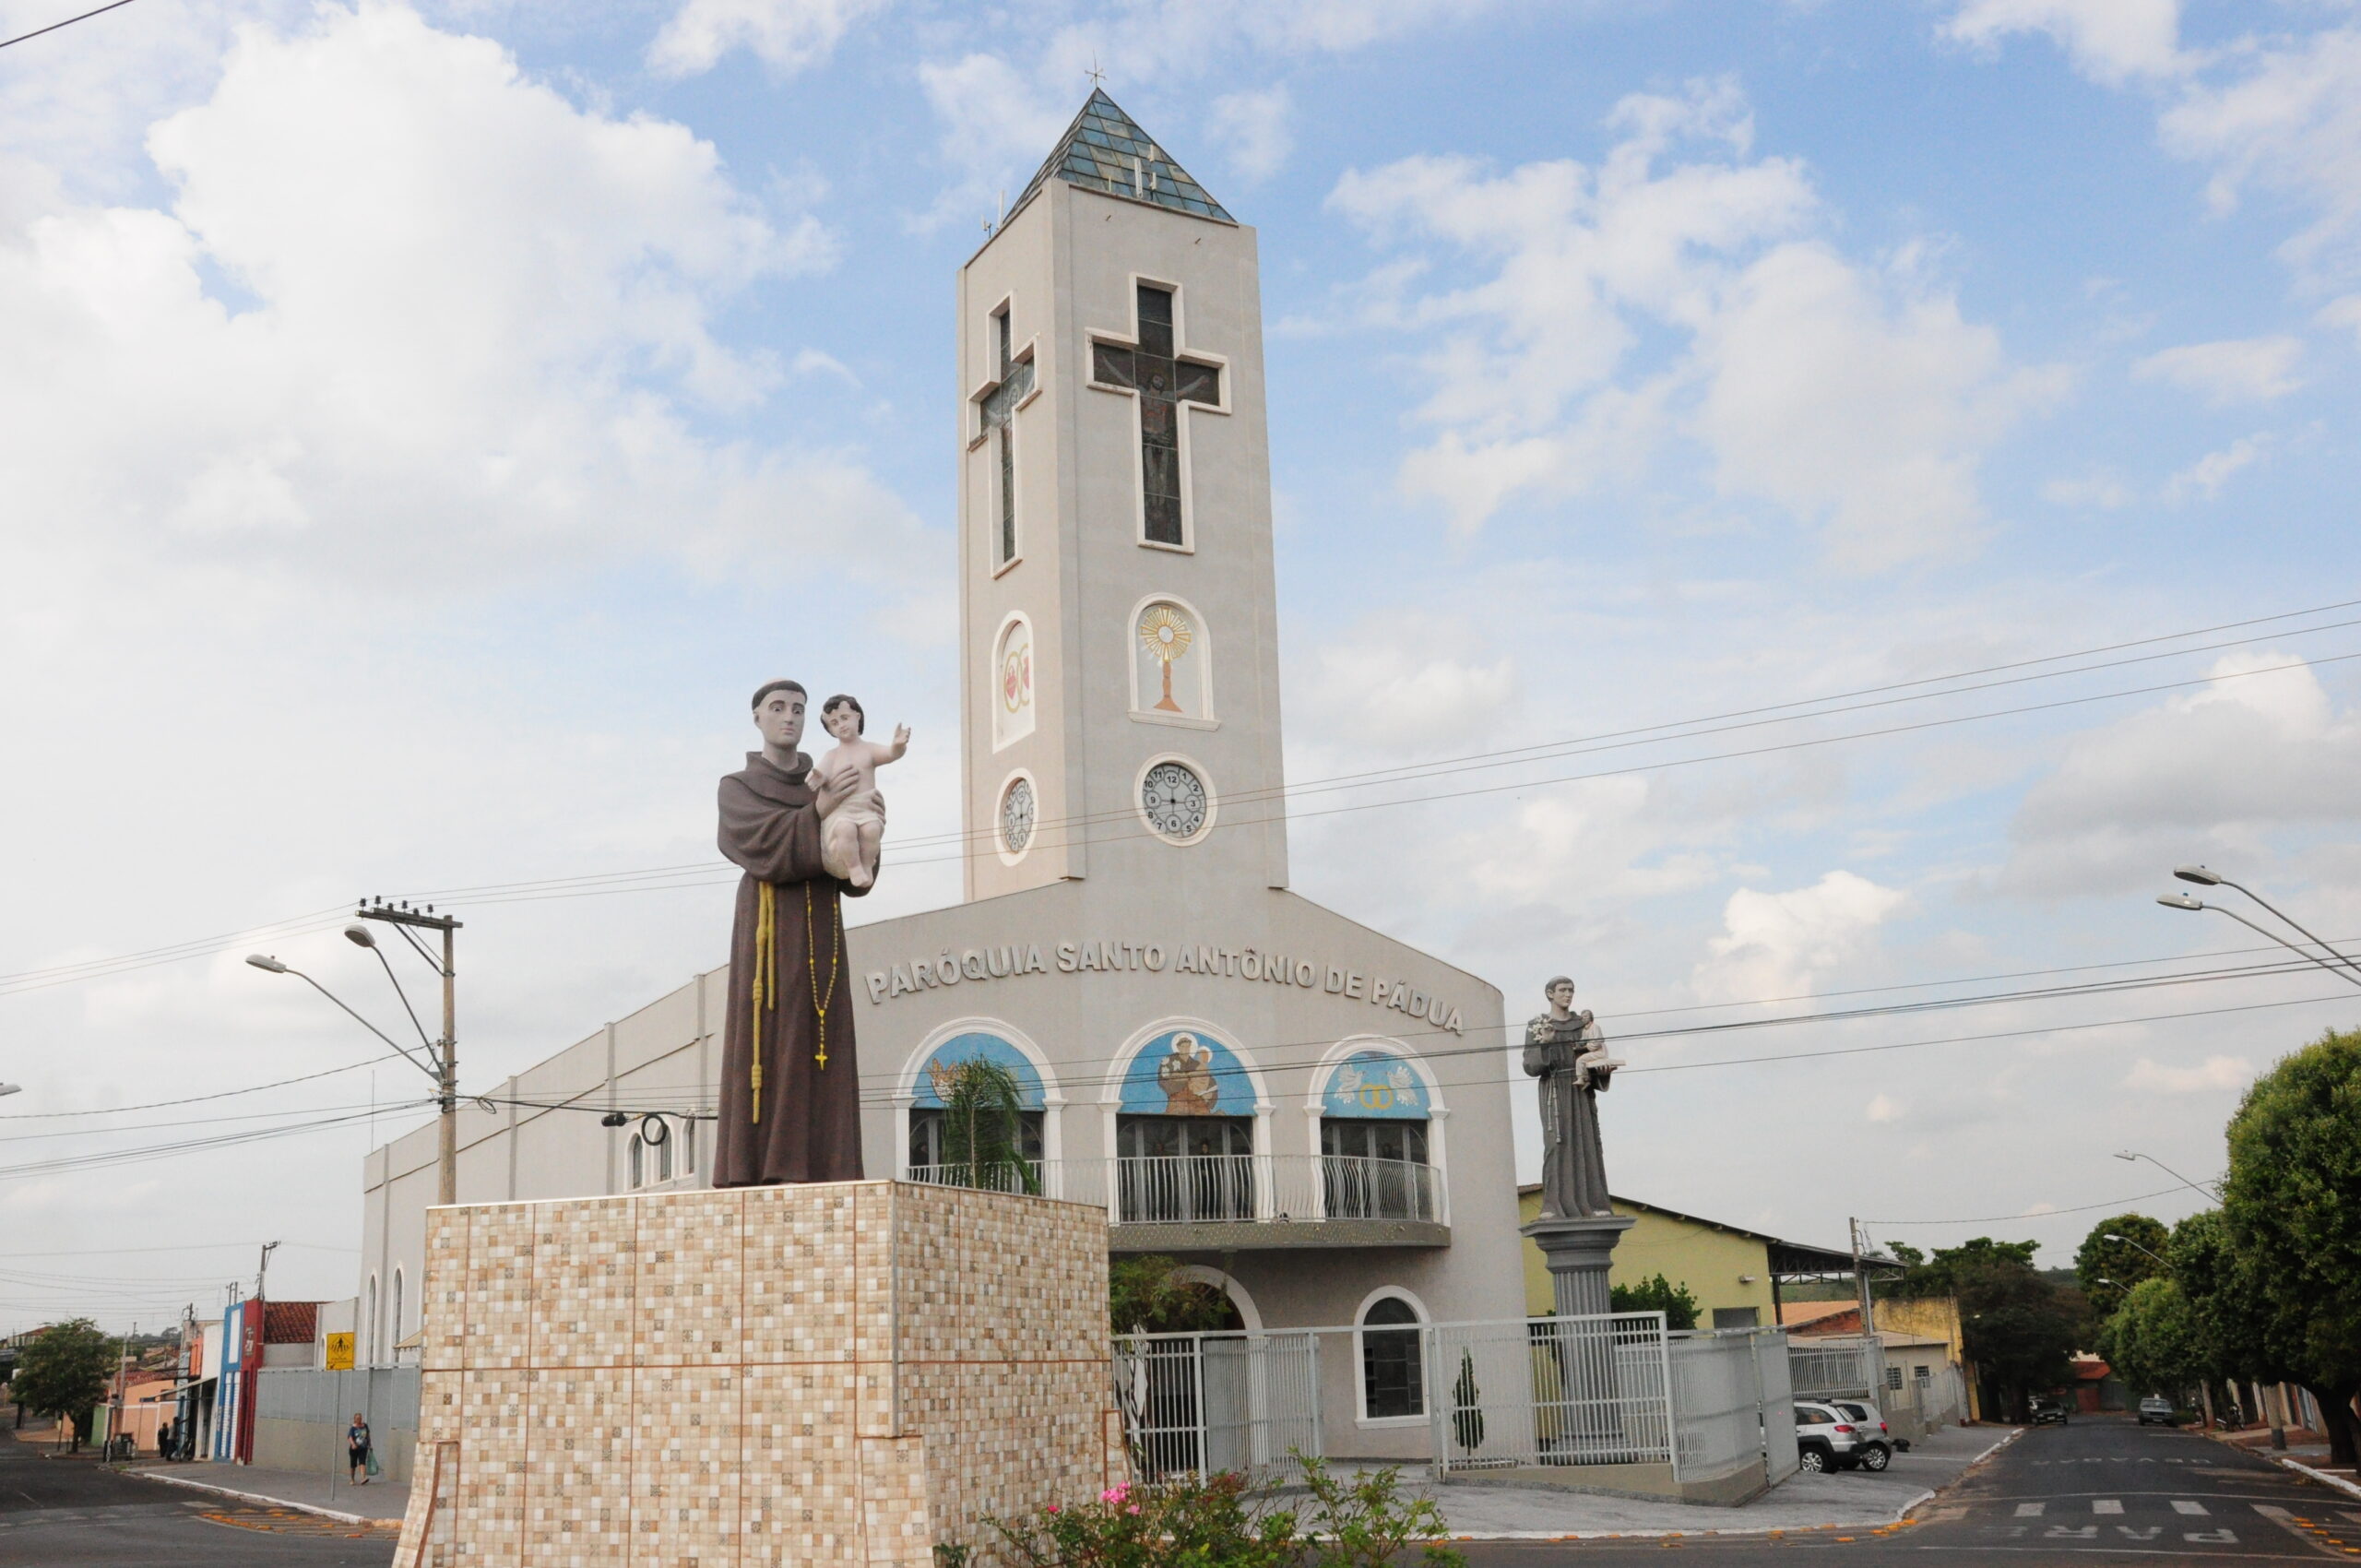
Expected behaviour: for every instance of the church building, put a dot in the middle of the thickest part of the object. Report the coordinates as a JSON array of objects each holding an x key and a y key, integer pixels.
[{"x": 1308, "y": 1113}]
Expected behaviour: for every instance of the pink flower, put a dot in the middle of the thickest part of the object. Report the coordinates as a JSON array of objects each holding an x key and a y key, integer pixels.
[
  {"x": 1052, "y": 1508},
  {"x": 1114, "y": 1494},
  {"x": 1132, "y": 1509}
]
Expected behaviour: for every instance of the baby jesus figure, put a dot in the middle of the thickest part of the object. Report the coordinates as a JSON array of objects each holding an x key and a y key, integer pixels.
[{"x": 850, "y": 835}]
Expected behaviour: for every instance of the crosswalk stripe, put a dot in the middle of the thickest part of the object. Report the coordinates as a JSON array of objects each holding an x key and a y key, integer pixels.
[
  {"x": 2029, "y": 1510},
  {"x": 2272, "y": 1511},
  {"x": 2106, "y": 1505},
  {"x": 2183, "y": 1505}
]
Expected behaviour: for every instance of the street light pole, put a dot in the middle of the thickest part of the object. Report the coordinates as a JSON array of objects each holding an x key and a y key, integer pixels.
[
  {"x": 2203, "y": 877},
  {"x": 2206, "y": 1192},
  {"x": 446, "y": 1050}
]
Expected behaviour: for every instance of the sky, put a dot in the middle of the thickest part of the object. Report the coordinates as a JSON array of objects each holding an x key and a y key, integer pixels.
[{"x": 421, "y": 425}]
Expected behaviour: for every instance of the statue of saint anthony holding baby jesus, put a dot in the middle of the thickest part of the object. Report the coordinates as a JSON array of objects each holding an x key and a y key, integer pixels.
[{"x": 807, "y": 836}]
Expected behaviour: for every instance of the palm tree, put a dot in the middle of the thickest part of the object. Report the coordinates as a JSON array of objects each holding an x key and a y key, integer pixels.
[{"x": 983, "y": 1129}]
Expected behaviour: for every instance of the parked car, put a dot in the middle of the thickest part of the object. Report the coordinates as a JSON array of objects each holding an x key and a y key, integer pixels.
[
  {"x": 2048, "y": 1410},
  {"x": 2156, "y": 1407},
  {"x": 1877, "y": 1444},
  {"x": 1826, "y": 1438}
]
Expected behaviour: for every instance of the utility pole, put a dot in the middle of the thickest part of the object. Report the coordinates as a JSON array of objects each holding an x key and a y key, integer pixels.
[
  {"x": 446, "y": 1050},
  {"x": 262, "y": 1271},
  {"x": 1861, "y": 1277}
]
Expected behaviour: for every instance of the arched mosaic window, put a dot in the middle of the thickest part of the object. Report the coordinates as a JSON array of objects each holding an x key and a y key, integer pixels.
[
  {"x": 933, "y": 1083},
  {"x": 1011, "y": 682}
]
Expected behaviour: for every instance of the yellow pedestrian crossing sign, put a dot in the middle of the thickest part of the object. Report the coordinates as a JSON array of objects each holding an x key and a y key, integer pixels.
[{"x": 339, "y": 1352}]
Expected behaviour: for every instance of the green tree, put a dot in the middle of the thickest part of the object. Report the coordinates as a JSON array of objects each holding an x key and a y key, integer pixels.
[
  {"x": 2019, "y": 1329},
  {"x": 2152, "y": 1341},
  {"x": 1149, "y": 1295},
  {"x": 1467, "y": 1406},
  {"x": 63, "y": 1371},
  {"x": 983, "y": 1128},
  {"x": 2107, "y": 1270},
  {"x": 1677, "y": 1302},
  {"x": 2290, "y": 1207}
]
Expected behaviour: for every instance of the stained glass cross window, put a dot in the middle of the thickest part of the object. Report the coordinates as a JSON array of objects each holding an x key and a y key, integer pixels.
[
  {"x": 1150, "y": 367},
  {"x": 999, "y": 412}
]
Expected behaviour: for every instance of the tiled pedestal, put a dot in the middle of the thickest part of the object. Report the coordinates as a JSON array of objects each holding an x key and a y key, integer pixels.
[{"x": 772, "y": 1376}]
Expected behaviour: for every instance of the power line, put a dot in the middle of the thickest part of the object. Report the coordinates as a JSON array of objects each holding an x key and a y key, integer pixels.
[
  {"x": 199, "y": 1098},
  {"x": 69, "y": 22},
  {"x": 2038, "y": 1214},
  {"x": 214, "y": 1121},
  {"x": 189, "y": 1247},
  {"x": 713, "y": 873}
]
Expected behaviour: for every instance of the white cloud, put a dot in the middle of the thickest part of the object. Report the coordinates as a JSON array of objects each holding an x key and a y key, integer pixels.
[
  {"x": 1856, "y": 397},
  {"x": 2287, "y": 118},
  {"x": 2197, "y": 778},
  {"x": 1779, "y": 943},
  {"x": 426, "y": 363},
  {"x": 2218, "y": 1075},
  {"x": 1883, "y": 1108},
  {"x": 2234, "y": 369},
  {"x": 2343, "y": 312},
  {"x": 2097, "y": 488},
  {"x": 1253, "y": 127},
  {"x": 2109, "y": 41},
  {"x": 787, "y": 35},
  {"x": 2203, "y": 478}
]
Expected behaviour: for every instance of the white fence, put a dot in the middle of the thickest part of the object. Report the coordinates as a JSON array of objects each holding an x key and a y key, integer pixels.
[
  {"x": 1201, "y": 1188},
  {"x": 1617, "y": 1389},
  {"x": 1858, "y": 1367}
]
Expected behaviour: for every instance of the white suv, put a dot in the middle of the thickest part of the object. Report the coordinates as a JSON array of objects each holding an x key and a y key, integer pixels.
[
  {"x": 1826, "y": 1438},
  {"x": 1877, "y": 1442}
]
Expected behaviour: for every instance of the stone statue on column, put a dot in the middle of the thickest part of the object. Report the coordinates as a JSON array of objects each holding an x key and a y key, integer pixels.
[
  {"x": 1578, "y": 1227},
  {"x": 1567, "y": 1050}
]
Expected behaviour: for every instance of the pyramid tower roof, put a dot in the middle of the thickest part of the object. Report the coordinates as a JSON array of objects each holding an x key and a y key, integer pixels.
[{"x": 1104, "y": 151}]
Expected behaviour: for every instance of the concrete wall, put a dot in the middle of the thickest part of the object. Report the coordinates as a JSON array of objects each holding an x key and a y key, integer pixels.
[{"x": 302, "y": 1417}]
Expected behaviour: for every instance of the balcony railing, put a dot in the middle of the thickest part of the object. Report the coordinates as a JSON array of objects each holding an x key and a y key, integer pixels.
[{"x": 1217, "y": 1188}]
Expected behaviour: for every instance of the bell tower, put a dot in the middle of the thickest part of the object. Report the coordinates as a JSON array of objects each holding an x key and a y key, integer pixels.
[{"x": 1118, "y": 622}]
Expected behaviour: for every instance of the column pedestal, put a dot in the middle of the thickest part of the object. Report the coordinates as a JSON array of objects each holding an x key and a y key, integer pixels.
[{"x": 1577, "y": 1252}]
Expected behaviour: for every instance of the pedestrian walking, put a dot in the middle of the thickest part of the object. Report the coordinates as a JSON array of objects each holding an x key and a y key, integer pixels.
[
  {"x": 356, "y": 1450},
  {"x": 165, "y": 1440}
]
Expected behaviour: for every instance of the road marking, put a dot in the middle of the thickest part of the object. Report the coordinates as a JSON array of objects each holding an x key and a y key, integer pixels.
[
  {"x": 2070, "y": 1532},
  {"x": 2184, "y": 1505},
  {"x": 2148, "y": 1532},
  {"x": 2029, "y": 1510},
  {"x": 2106, "y": 1505},
  {"x": 2272, "y": 1511},
  {"x": 2216, "y": 1537}
]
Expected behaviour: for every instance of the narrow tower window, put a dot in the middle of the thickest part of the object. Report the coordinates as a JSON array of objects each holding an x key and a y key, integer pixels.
[{"x": 1012, "y": 386}]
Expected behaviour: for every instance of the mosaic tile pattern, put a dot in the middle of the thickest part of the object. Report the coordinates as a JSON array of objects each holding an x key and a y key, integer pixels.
[{"x": 774, "y": 1376}]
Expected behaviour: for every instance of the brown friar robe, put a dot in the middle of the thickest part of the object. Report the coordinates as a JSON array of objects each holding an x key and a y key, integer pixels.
[{"x": 807, "y": 1124}]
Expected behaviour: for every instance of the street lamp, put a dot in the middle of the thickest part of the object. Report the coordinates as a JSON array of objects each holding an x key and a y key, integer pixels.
[
  {"x": 2210, "y": 1195},
  {"x": 2183, "y": 901},
  {"x": 2111, "y": 1236},
  {"x": 441, "y": 1073},
  {"x": 2203, "y": 877},
  {"x": 11, "y": 1088}
]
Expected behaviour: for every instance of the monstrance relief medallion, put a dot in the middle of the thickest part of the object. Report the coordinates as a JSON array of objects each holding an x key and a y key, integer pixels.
[
  {"x": 1165, "y": 634},
  {"x": 1016, "y": 676}
]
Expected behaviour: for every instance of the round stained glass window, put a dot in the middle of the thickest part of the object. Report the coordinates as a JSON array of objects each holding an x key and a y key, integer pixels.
[
  {"x": 1173, "y": 798},
  {"x": 1016, "y": 816}
]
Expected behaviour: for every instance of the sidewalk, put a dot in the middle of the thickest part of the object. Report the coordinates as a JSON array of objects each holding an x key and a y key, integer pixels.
[
  {"x": 2306, "y": 1453},
  {"x": 1846, "y": 1499},
  {"x": 379, "y": 1502}
]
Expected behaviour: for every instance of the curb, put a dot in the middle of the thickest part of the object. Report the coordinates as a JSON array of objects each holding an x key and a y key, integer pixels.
[
  {"x": 266, "y": 1499},
  {"x": 1897, "y": 1516},
  {"x": 2337, "y": 1482}
]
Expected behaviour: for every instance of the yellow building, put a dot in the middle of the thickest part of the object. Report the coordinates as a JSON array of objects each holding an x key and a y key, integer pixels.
[{"x": 1734, "y": 1273}]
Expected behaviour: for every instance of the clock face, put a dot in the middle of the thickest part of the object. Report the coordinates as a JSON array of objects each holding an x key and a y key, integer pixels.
[
  {"x": 1174, "y": 800},
  {"x": 1016, "y": 816}
]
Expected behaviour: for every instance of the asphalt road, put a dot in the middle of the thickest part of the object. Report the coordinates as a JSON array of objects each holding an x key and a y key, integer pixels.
[
  {"x": 2102, "y": 1490},
  {"x": 66, "y": 1513}
]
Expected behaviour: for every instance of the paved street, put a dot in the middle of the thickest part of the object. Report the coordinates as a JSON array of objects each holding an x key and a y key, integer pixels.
[
  {"x": 2101, "y": 1489},
  {"x": 63, "y": 1513}
]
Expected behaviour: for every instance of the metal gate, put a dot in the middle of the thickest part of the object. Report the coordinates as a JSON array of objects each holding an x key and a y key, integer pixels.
[
  {"x": 1207, "y": 1403},
  {"x": 1549, "y": 1391}
]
